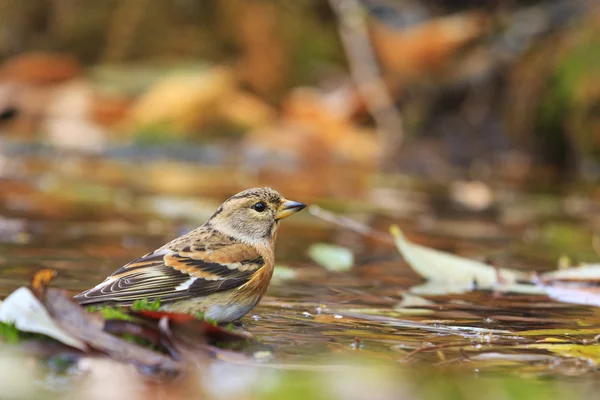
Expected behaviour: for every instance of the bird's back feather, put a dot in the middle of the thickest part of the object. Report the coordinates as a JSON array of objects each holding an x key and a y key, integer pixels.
[{"x": 188, "y": 267}]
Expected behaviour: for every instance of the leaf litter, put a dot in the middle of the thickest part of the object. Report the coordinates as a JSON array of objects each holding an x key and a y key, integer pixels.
[
  {"x": 445, "y": 268},
  {"x": 157, "y": 343},
  {"x": 448, "y": 275},
  {"x": 28, "y": 314}
]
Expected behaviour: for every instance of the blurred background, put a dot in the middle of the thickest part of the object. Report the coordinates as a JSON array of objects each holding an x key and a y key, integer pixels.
[{"x": 442, "y": 89}]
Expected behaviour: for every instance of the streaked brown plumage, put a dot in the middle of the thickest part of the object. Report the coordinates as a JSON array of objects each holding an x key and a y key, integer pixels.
[{"x": 222, "y": 269}]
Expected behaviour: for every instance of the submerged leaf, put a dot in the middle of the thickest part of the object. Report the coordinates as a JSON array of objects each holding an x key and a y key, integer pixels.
[
  {"x": 589, "y": 352},
  {"x": 441, "y": 287},
  {"x": 565, "y": 332},
  {"x": 589, "y": 296},
  {"x": 410, "y": 305},
  {"x": 331, "y": 257},
  {"x": 457, "y": 274},
  {"x": 28, "y": 314},
  {"x": 587, "y": 272},
  {"x": 577, "y": 285},
  {"x": 410, "y": 300}
]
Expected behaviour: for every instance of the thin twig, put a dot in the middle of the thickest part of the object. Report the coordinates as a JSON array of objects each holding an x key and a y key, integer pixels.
[
  {"x": 366, "y": 74},
  {"x": 433, "y": 347},
  {"x": 349, "y": 223},
  {"x": 502, "y": 342}
]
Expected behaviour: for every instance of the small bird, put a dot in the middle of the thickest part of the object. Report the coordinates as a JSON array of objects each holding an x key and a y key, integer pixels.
[{"x": 221, "y": 269}]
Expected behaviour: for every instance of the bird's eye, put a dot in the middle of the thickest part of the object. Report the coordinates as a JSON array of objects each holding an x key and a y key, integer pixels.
[{"x": 260, "y": 206}]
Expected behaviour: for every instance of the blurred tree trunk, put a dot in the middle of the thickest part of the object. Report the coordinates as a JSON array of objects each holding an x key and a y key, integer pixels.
[
  {"x": 368, "y": 79},
  {"x": 121, "y": 32},
  {"x": 62, "y": 19},
  {"x": 263, "y": 63},
  {"x": 12, "y": 18}
]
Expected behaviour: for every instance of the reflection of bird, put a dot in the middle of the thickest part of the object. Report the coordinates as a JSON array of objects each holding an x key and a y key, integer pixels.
[{"x": 221, "y": 269}]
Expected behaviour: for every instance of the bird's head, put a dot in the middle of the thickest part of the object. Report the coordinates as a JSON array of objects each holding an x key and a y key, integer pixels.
[{"x": 253, "y": 215}]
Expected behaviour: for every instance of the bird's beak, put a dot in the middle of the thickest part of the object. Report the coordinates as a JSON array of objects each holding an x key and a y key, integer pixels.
[{"x": 288, "y": 207}]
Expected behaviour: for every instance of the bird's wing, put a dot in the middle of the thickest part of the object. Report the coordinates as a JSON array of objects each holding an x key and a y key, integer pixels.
[{"x": 175, "y": 275}]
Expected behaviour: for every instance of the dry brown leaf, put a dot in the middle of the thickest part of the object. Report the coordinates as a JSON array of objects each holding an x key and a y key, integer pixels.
[
  {"x": 40, "y": 68},
  {"x": 246, "y": 110},
  {"x": 182, "y": 102},
  {"x": 89, "y": 328},
  {"x": 425, "y": 48},
  {"x": 41, "y": 280}
]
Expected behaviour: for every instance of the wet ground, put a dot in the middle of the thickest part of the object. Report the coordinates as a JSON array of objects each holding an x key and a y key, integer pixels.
[{"x": 87, "y": 216}]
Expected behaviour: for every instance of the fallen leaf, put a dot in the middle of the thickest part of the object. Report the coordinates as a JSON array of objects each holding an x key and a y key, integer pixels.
[
  {"x": 331, "y": 257},
  {"x": 246, "y": 110},
  {"x": 156, "y": 315},
  {"x": 41, "y": 279},
  {"x": 589, "y": 296},
  {"x": 427, "y": 48},
  {"x": 587, "y": 272},
  {"x": 410, "y": 300},
  {"x": 459, "y": 274},
  {"x": 182, "y": 101},
  {"x": 147, "y": 333},
  {"x": 577, "y": 285},
  {"x": 189, "y": 332},
  {"x": 589, "y": 352},
  {"x": 29, "y": 315},
  {"x": 521, "y": 288},
  {"x": 410, "y": 305},
  {"x": 89, "y": 327},
  {"x": 511, "y": 357},
  {"x": 180, "y": 334},
  {"x": 38, "y": 68},
  {"x": 560, "y": 332},
  {"x": 441, "y": 287}
]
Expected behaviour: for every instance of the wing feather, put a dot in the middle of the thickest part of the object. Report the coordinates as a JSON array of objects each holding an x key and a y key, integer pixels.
[{"x": 176, "y": 275}]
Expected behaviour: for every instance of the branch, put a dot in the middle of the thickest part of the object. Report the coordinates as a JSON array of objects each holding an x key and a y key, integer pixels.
[{"x": 365, "y": 72}]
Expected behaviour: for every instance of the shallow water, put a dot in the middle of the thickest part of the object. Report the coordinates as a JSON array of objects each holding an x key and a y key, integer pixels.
[{"x": 85, "y": 217}]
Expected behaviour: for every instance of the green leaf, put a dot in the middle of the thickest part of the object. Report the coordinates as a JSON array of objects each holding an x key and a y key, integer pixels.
[
  {"x": 331, "y": 257},
  {"x": 146, "y": 305},
  {"x": 589, "y": 352},
  {"x": 9, "y": 332},
  {"x": 109, "y": 312},
  {"x": 560, "y": 332}
]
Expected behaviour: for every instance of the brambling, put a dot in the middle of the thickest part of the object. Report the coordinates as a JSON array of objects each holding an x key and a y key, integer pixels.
[{"x": 221, "y": 269}]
